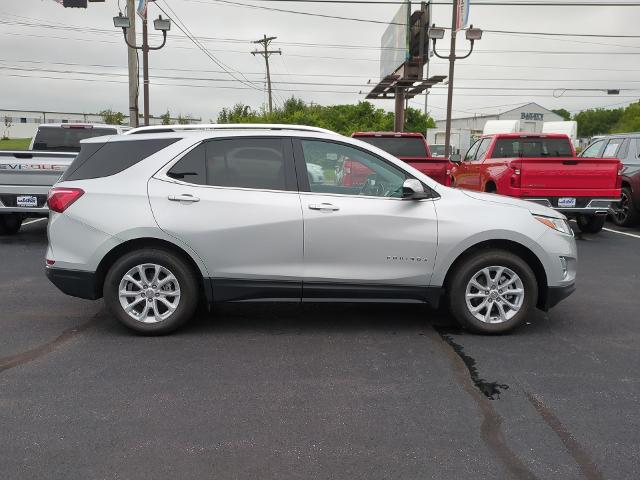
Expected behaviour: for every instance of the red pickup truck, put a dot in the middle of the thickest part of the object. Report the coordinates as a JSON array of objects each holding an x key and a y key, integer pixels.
[
  {"x": 543, "y": 169},
  {"x": 411, "y": 148}
]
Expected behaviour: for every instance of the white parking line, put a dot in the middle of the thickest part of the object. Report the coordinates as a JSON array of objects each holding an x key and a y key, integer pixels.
[
  {"x": 622, "y": 233},
  {"x": 634, "y": 235},
  {"x": 36, "y": 220}
]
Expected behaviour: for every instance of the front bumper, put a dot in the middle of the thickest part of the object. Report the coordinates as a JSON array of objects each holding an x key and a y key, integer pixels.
[
  {"x": 75, "y": 282},
  {"x": 555, "y": 295}
]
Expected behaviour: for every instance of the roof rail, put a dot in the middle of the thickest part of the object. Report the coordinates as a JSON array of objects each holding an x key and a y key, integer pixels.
[{"x": 226, "y": 126}]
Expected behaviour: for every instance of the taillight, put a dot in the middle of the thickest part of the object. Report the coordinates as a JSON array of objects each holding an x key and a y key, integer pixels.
[
  {"x": 60, "y": 198},
  {"x": 516, "y": 174},
  {"x": 619, "y": 177}
]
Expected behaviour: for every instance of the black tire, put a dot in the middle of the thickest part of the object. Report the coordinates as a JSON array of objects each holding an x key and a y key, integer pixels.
[
  {"x": 186, "y": 278},
  {"x": 624, "y": 213},
  {"x": 10, "y": 223},
  {"x": 468, "y": 268},
  {"x": 590, "y": 223}
]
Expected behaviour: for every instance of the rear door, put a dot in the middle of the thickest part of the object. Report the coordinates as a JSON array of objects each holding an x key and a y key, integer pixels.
[
  {"x": 235, "y": 202},
  {"x": 366, "y": 238}
]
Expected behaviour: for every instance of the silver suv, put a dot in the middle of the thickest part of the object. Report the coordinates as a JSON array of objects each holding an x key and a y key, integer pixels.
[{"x": 155, "y": 222}]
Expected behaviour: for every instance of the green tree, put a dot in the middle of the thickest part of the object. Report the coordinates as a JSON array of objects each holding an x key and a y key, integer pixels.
[
  {"x": 597, "y": 121},
  {"x": 184, "y": 119},
  {"x": 629, "y": 121},
  {"x": 563, "y": 113},
  {"x": 344, "y": 119},
  {"x": 166, "y": 118},
  {"x": 112, "y": 118}
]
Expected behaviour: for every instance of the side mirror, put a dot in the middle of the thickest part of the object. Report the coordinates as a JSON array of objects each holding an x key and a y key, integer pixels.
[
  {"x": 412, "y": 189},
  {"x": 455, "y": 158}
]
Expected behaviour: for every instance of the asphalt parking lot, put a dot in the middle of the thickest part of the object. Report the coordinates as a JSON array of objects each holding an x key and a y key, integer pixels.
[{"x": 321, "y": 391}]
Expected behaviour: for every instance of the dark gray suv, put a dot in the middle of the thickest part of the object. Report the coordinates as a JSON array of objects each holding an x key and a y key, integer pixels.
[{"x": 626, "y": 147}]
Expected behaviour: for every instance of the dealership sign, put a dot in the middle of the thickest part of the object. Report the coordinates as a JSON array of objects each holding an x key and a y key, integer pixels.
[{"x": 538, "y": 117}]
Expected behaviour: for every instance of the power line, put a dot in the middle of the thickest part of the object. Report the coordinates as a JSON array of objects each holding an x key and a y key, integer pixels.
[
  {"x": 184, "y": 29},
  {"x": 476, "y": 4}
]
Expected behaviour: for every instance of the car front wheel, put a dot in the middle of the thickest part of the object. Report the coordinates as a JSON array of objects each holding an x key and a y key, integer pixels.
[
  {"x": 492, "y": 292},
  {"x": 151, "y": 291}
]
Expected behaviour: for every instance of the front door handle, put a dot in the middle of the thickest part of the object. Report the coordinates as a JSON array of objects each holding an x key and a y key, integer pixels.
[
  {"x": 185, "y": 197},
  {"x": 325, "y": 207}
]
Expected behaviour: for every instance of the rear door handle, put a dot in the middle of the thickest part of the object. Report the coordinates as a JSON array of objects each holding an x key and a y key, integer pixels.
[
  {"x": 325, "y": 207},
  {"x": 185, "y": 197}
]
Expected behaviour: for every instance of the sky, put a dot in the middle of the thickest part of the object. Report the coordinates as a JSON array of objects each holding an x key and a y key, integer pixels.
[{"x": 74, "y": 60}]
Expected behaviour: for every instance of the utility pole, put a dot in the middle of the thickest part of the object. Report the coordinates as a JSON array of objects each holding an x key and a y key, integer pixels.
[
  {"x": 133, "y": 67},
  {"x": 266, "y": 53}
]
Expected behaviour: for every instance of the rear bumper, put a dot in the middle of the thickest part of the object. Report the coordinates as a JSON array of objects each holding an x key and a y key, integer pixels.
[
  {"x": 556, "y": 294},
  {"x": 75, "y": 282},
  {"x": 584, "y": 205},
  {"x": 8, "y": 194}
]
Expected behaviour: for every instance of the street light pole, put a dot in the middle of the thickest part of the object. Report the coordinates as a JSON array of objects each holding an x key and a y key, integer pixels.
[
  {"x": 436, "y": 33},
  {"x": 145, "y": 66},
  {"x": 161, "y": 24},
  {"x": 452, "y": 62},
  {"x": 132, "y": 61}
]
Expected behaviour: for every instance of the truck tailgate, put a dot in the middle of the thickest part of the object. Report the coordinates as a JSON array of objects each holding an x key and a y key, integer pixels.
[
  {"x": 33, "y": 168},
  {"x": 436, "y": 168},
  {"x": 569, "y": 176}
]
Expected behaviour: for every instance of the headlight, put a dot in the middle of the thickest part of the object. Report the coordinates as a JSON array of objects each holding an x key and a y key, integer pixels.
[{"x": 558, "y": 224}]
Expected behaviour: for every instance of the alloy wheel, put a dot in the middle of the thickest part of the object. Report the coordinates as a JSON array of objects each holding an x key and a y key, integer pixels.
[
  {"x": 149, "y": 293},
  {"x": 494, "y": 294}
]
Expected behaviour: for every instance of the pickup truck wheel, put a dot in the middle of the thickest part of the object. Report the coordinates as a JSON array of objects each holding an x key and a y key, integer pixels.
[
  {"x": 623, "y": 213},
  {"x": 151, "y": 291},
  {"x": 10, "y": 223},
  {"x": 492, "y": 292},
  {"x": 590, "y": 223}
]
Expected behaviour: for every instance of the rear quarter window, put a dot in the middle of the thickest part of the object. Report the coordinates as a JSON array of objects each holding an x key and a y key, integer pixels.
[{"x": 97, "y": 160}]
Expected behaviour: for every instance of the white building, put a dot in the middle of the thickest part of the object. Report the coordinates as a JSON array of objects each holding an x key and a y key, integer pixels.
[
  {"x": 531, "y": 117},
  {"x": 24, "y": 123}
]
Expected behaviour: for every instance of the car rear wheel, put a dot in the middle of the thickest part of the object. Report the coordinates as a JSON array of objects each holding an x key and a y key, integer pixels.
[
  {"x": 492, "y": 292},
  {"x": 590, "y": 223},
  {"x": 10, "y": 223},
  {"x": 623, "y": 213},
  {"x": 151, "y": 291}
]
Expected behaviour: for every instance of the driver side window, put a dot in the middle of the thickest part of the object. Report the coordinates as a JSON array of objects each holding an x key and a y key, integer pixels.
[
  {"x": 472, "y": 151},
  {"x": 338, "y": 168}
]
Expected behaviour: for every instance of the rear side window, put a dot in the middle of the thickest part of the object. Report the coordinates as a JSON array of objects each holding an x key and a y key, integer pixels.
[
  {"x": 532, "y": 147},
  {"x": 97, "y": 160},
  {"x": 613, "y": 147},
  {"x": 257, "y": 163},
  {"x": 66, "y": 139}
]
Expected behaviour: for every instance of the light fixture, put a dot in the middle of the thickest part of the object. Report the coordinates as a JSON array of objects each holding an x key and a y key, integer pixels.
[
  {"x": 162, "y": 24},
  {"x": 435, "y": 33},
  {"x": 121, "y": 21},
  {"x": 473, "y": 33}
]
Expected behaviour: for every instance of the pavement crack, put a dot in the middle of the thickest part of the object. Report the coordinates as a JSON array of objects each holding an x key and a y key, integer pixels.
[
  {"x": 12, "y": 361},
  {"x": 587, "y": 466},
  {"x": 491, "y": 427}
]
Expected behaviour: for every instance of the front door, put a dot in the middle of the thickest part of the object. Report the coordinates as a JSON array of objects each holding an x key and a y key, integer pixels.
[
  {"x": 235, "y": 203},
  {"x": 362, "y": 239}
]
